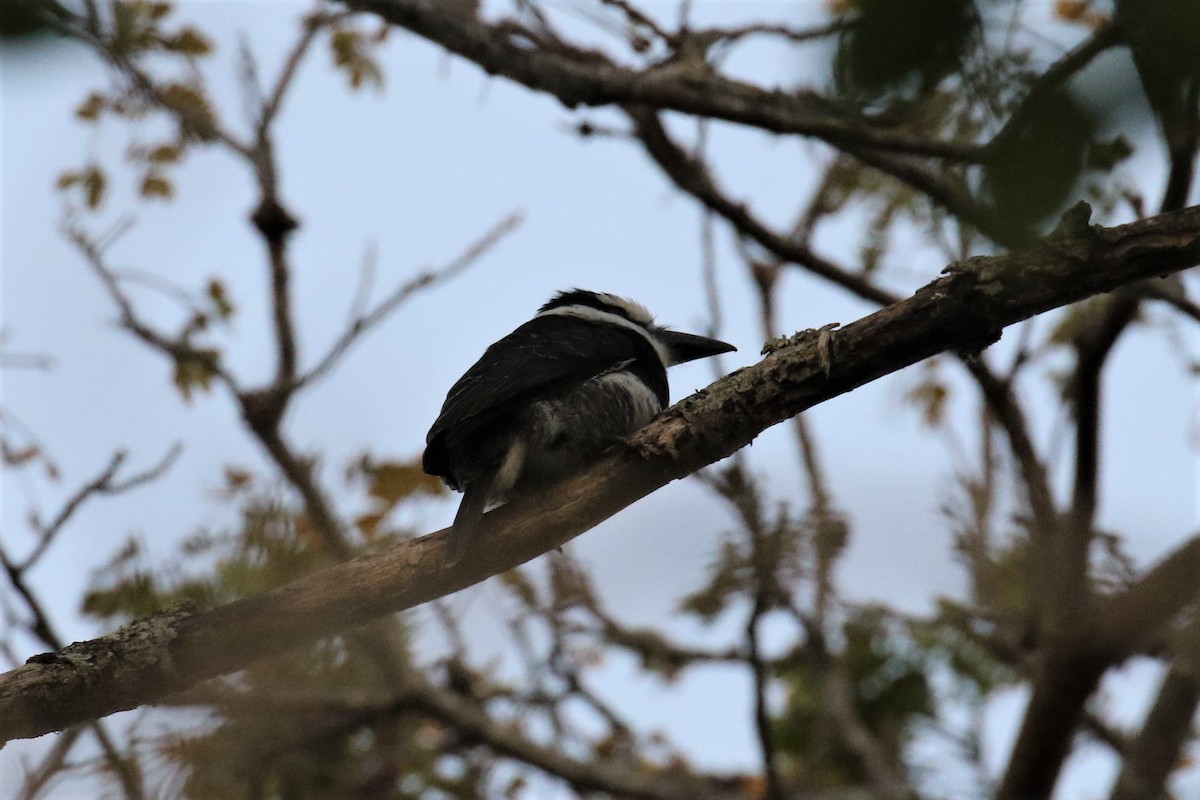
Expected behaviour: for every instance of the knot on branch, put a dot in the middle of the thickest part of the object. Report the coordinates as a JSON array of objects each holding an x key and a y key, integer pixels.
[
  {"x": 142, "y": 642},
  {"x": 272, "y": 220},
  {"x": 263, "y": 409}
]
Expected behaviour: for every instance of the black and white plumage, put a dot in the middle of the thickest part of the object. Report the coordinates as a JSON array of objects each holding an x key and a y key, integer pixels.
[{"x": 586, "y": 372}]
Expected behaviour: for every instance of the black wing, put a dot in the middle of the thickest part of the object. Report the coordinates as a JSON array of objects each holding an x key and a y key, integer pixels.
[{"x": 540, "y": 357}]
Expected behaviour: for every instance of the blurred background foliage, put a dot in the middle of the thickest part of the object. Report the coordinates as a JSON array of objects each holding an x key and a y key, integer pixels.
[{"x": 324, "y": 722}]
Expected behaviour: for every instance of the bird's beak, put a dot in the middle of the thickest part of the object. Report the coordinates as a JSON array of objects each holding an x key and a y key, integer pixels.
[{"x": 688, "y": 346}]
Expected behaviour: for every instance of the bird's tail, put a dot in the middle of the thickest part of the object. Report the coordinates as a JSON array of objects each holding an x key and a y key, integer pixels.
[{"x": 470, "y": 511}]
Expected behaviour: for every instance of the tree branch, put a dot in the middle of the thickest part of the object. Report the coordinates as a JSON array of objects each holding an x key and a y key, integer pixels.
[
  {"x": 964, "y": 310},
  {"x": 363, "y": 322},
  {"x": 579, "y": 77},
  {"x": 692, "y": 176},
  {"x": 885, "y": 780},
  {"x": 467, "y": 717},
  {"x": 1156, "y": 750}
]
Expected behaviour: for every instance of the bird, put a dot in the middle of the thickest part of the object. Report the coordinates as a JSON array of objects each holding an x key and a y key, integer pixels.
[{"x": 587, "y": 371}]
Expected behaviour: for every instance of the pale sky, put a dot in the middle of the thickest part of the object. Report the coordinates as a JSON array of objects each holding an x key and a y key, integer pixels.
[{"x": 416, "y": 172}]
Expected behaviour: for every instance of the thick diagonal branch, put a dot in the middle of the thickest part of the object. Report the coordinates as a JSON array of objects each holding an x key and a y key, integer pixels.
[{"x": 964, "y": 310}]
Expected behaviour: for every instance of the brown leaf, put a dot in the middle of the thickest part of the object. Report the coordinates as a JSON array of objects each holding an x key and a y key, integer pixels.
[
  {"x": 351, "y": 54},
  {"x": 192, "y": 108},
  {"x": 68, "y": 179},
  {"x": 95, "y": 183},
  {"x": 195, "y": 369},
  {"x": 91, "y": 107},
  {"x": 393, "y": 481},
  {"x": 165, "y": 154},
  {"x": 220, "y": 298},
  {"x": 237, "y": 478},
  {"x": 368, "y": 524},
  {"x": 189, "y": 42},
  {"x": 155, "y": 185}
]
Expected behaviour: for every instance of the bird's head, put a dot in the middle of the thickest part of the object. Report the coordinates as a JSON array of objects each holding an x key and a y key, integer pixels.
[{"x": 673, "y": 347}]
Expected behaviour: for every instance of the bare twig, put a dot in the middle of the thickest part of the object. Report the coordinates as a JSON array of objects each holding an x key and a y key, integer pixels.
[
  {"x": 103, "y": 484},
  {"x": 639, "y": 18},
  {"x": 176, "y": 349},
  {"x": 365, "y": 321},
  {"x": 51, "y": 764},
  {"x": 693, "y": 177},
  {"x": 270, "y": 107}
]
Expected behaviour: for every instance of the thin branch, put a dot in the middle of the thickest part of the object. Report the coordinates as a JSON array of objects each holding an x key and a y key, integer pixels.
[
  {"x": 401, "y": 294},
  {"x": 1173, "y": 296},
  {"x": 1156, "y": 751},
  {"x": 1103, "y": 731},
  {"x": 793, "y": 35},
  {"x": 1095, "y": 339},
  {"x": 886, "y": 781},
  {"x": 578, "y": 76},
  {"x": 273, "y": 220},
  {"x": 126, "y": 769},
  {"x": 654, "y": 648},
  {"x": 104, "y": 484},
  {"x": 86, "y": 30},
  {"x": 948, "y": 194},
  {"x": 269, "y": 110},
  {"x": 608, "y": 776},
  {"x": 51, "y": 764},
  {"x": 763, "y": 724},
  {"x": 998, "y": 395},
  {"x": 176, "y": 349},
  {"x": 693, "y": 177},
  {"x": 639, "y": 18}
]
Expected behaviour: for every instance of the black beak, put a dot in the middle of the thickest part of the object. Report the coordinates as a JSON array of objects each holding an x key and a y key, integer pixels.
[{"x": 688, "y": 347}]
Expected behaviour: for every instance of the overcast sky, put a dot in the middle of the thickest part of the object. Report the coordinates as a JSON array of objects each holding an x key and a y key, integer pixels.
[{"x": 414, "y": 174}]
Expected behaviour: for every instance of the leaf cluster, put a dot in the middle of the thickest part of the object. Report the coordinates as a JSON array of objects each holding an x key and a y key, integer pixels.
[
  {"x": 309, "y": 725},
  {"x": 131, "y": 31},
  {"x": 890, "y": 693}
]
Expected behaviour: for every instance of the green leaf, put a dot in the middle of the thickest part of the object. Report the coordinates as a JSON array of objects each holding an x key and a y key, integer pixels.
[
  {"x": 1035, "y": 173},
  {"x": 725, "y": 579},
  {"x": 891, "y": 44}
]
